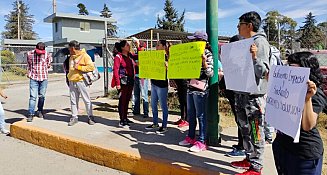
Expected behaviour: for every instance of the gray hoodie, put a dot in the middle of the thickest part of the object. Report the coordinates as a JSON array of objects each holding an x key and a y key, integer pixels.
[{"x": 261, "y": 64}]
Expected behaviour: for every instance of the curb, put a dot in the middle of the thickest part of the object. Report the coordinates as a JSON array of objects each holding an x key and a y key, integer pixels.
[{"x": 133, "y": 164}]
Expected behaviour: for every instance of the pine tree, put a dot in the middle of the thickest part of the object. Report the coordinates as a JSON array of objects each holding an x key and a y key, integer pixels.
[
  {"x": 310, "y": 35},
  {"x": 171, "y": 21},
  {"x": 26, "y": 23},
  {"x": 112, "y": 29},
  {"x": 82, "y": 9}
]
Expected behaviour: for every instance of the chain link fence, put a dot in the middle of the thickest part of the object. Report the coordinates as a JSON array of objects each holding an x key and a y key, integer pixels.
[{"x": 14, "y": 63}]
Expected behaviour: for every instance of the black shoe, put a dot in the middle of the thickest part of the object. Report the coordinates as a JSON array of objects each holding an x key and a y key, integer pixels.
[
  {"x": 161, "y": 130},
  {"x": 91, "y": 120},
  {"x": 30, "y": 118},
  {"x": 39, "y": 114},
  {"x": 145, "y": 116},
  {"x": 124, "y": 124}
]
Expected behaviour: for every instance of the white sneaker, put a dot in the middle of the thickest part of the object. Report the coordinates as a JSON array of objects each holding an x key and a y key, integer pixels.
[{"x": 4, "y": 131}]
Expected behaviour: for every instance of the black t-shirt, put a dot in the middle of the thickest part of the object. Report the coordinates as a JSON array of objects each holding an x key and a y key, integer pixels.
[{"x": 310, "y": 145}]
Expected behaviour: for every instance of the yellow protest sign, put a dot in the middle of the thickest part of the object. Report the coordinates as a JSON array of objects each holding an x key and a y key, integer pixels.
[
  {"x": 185, "y": 60},
  {"x": 152, "y": 64}
]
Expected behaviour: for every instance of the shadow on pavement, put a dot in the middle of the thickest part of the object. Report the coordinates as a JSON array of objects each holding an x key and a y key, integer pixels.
[{"x": 166, "y": 147}]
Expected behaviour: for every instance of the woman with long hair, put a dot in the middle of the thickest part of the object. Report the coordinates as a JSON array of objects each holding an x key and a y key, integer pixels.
[
  {"x": 305, "y": 157},
  {"x": 123, "y": 79}
]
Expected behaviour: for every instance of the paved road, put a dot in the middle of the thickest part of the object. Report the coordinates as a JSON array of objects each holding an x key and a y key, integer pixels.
[{"x": 21, "y": 158}]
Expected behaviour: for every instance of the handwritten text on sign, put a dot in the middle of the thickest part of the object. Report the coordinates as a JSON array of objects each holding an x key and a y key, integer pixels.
[
  {"x": 287, "y": 87},
  {"x": 152, "y": 65},
  {"x": 185, "y": 60}
]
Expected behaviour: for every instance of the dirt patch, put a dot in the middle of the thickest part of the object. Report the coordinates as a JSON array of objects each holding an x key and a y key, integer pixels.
[{"x": 322, "y": 127}]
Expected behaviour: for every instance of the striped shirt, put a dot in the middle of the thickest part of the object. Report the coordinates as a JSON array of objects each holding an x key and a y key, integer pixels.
[{"x": 38, "y": 65}]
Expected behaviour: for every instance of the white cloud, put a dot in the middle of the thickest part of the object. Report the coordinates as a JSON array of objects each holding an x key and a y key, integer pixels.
[
  {"x": 300, "y": 13},
  {"x": 95, "y": 12},
  {"x": 195, "y": 16}
]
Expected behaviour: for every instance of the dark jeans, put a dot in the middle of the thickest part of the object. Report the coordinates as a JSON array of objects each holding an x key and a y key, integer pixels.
[
  {"x": 230, "y": 95},
  {"x": 196, "y": 110},
  {"x": 289, "y": 164},
  {"x": 125, "y": 94},
  {"x": 182, "y": 97}
]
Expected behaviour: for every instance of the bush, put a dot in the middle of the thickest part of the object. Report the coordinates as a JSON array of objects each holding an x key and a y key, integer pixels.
[
  {"x": 18, "y": 71},
  {"x": 7, "y": 57}
]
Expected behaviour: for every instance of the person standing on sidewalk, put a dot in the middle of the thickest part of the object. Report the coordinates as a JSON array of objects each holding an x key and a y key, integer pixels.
[
  {"x": 141, "y": 85},
  {"x": 305, "y": 157},
  {"x": 181, "y": 86},
  {"x": 250, "y": 107},
  {"x": 79, "y": 62},
  {"x": 197, "y": 97},
  {"x": 159, "y": 92},
  {"x": 123, "y": 79},
  {"x": 38, "y": 63},
  {"x": 3, "y": 130},
  {"x": 238, "y": 150}
]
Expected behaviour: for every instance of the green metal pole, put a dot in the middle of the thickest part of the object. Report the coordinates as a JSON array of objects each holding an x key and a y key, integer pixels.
[{"x": 212, "y": 110}]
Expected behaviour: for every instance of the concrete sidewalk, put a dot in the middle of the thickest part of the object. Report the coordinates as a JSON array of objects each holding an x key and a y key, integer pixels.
[{"x": 133, "y": 150}]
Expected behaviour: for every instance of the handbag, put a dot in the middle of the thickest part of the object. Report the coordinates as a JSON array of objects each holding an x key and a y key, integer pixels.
[
  {"x": 198, "y": 84},
  {"x": 126, "y": 80},
  {"x": 90, "y": 77}
]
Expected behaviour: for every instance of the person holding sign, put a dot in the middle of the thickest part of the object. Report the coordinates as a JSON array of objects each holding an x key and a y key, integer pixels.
[
  {"x": 159, "y": 91},
  {"x": 306, "y": 156},
  {"x": 123, "y": 79},
  {"x": 250, "y": 107},
  {"x": 140, "y": 85},
  {"x": 197, "y": 93}
]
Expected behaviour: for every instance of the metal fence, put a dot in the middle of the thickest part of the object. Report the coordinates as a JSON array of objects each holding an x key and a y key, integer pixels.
[{"x": 13, "y": 60}]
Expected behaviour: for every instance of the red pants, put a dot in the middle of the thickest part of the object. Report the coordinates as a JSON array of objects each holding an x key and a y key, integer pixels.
[{"x": 124, "y": 98}]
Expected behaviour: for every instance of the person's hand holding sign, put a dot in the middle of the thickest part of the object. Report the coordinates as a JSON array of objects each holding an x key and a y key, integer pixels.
[{"x": 254, "y": 51}]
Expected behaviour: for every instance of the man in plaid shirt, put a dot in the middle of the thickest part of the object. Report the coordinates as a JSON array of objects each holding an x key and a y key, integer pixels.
[{"x": 38, "y": 62}]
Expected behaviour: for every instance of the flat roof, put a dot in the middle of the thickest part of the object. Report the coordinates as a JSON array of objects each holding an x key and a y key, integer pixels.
[
  {"x": 52, "y": 18},
  {"x": 20, "y": 42}
]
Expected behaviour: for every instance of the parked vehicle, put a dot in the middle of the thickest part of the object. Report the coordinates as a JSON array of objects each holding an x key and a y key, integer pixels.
[{"x": 322, "y": 57}]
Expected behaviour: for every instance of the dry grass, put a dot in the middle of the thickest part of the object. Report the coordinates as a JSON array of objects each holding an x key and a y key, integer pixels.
[{"x": 322, "y": 126}]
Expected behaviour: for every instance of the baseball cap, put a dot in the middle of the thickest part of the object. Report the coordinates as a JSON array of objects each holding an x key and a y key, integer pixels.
[{"x": 199, "y": 35}]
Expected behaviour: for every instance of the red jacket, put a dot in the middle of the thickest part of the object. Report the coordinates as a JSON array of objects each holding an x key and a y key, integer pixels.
[{"x": 123, "y": 66}]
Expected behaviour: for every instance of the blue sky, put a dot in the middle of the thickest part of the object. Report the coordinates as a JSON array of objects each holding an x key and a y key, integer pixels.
[{"x": 136, "y": 15}]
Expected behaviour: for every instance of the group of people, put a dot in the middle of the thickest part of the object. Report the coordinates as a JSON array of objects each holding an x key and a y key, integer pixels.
[{"x": 290, "y": 158}]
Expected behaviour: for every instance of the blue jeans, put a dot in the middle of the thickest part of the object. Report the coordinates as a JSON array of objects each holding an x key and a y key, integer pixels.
[
  {"x": 2, "y": 117},
  {"x": 160, "y": 94},
  {"x": 288, "y": 164},
  {"x": 37, "y": 89},
  {"x": 196, "y": 110},
  {"x": 141, "y": 86}
]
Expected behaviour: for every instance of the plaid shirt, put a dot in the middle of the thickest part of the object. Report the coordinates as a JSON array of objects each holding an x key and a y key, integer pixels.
[{"x": 38, "y": 65}]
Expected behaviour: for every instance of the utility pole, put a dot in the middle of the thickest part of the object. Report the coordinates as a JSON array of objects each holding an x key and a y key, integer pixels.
[
  {"x": 212, "y": 101},
  {"x": 18, "y": 20},
  {"x": 54, "y": 4}
]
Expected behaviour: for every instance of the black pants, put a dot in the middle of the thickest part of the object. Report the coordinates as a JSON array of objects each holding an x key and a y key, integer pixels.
[{"x": 182, "y": 94}]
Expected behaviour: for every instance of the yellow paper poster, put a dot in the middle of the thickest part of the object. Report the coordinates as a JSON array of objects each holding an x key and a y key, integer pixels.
[
  {"x": 185, "y": 60},
  {"x": 152, "y": 65}
]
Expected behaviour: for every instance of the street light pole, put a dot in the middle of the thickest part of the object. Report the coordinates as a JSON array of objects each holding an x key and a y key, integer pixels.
[
  {"x": 212, "y": 102},
  {"x": 18, "y": 20}
]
